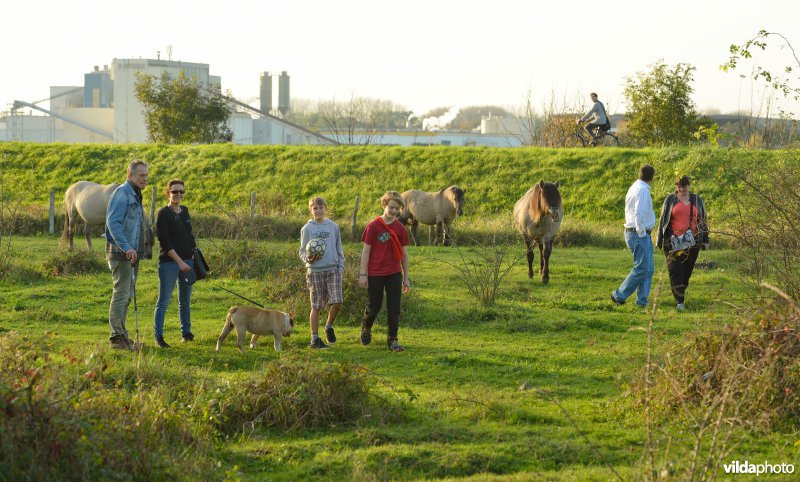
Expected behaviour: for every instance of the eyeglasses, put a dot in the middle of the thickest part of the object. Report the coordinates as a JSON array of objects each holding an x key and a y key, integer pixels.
[{"x": 178, "y": 192}]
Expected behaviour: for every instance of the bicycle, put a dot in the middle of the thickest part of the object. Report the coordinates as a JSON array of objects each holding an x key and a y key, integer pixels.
[{"x": 606, "y": 138}]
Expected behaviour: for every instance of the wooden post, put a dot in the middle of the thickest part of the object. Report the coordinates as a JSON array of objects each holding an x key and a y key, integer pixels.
[
  {"x": 252, "y": 205},
  {"x": 52, "y": 211},
  {"x": 353, "y": 223},
  {"x": 153, "y": 208}
]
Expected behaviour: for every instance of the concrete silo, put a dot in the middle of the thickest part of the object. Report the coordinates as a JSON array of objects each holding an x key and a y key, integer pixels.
[
  {"x": 266, "y": 92},
  {"x": 283, "y": 93}
]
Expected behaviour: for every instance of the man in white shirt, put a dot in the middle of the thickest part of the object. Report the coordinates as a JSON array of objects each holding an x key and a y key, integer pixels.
[
  {"x": 640, "y": 219},
  {"x": 596, "y": 117}
]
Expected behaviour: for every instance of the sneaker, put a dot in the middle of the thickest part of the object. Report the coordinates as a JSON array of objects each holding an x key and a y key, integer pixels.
[
  {"x": 681, "y": 307},
  {"x": 616, "y": 301},
  {"x": 395, "y": 346},
  {"x": 161, "y": 343},
  {"x": 187, "y": 337},
  {"x": 318, "y": 344},
  {"x": 330, "y": 335}
]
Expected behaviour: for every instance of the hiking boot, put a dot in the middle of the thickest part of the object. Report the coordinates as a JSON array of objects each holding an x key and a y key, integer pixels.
[
  {"x": 395, "y": 346},
  {"x": 330, "y": 335},
  {"x": 161, "y": 343},
  {"x": 318, "y": 344},
  {"x": 187, "y": 337},
  {"x": 120, "y": 342}
]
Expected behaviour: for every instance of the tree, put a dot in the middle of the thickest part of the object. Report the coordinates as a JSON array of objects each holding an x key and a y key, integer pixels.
[
  {"x": 361, "y": 120},
  {"x": 181, "y": 111},
  {"x": 660, "y": 107},
  {"x": 780, "y": 81}
]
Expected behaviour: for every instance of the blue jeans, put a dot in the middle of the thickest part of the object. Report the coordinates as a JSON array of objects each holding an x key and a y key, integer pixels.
[
  {"x": 641, "y": 276},
  {"x": 168, "y": 272}
]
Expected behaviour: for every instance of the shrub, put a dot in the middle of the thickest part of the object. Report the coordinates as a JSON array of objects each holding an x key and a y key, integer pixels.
[
  {"x": 298, "y": 392},
  {"x": 62, "y": 420},
  {"x": 77, "y": 261},
  {"x": 482, "y": 268},
  {"x": 765, "y": 231}
]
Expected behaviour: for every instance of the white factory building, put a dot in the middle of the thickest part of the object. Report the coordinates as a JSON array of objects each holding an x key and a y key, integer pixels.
[{"x": 105, "y": 109}]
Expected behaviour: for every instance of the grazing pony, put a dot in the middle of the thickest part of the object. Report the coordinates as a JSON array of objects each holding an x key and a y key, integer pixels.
[
  {"x": 439, "y": 208},
  {"x": 538, "y": 215},
  {"x": 89, "y": 201}
]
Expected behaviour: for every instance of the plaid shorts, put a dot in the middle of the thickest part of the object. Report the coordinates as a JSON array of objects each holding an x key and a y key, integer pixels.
[{"x": 324, "y": 286}]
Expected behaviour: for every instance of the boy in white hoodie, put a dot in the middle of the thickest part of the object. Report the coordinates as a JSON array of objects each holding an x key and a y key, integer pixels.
[{"x": 324, "y": 275}]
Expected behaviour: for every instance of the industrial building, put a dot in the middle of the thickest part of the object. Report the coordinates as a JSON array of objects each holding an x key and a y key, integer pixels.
[{"x": 105, "y": 109}]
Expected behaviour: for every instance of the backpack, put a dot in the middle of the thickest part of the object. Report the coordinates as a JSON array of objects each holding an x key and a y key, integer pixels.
[{"x": 607, "y": 125}]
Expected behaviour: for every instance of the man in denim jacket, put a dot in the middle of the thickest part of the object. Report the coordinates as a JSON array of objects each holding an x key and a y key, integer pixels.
[{"x": 126, "y": 232}]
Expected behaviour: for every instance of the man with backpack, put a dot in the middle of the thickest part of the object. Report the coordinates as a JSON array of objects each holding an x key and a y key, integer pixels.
[{"x": 596, "y": 118}]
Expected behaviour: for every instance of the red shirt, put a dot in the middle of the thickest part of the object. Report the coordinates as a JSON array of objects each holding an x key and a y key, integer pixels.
[
  {"x": 679, "y": 219},
  {"x": 381, "y": 258}
]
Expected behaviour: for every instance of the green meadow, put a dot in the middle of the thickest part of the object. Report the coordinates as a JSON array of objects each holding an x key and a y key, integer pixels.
[{"x": 540, "y": 385}]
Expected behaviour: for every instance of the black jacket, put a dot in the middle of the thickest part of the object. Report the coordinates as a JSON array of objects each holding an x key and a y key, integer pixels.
[{"x": 664, "y": 232}]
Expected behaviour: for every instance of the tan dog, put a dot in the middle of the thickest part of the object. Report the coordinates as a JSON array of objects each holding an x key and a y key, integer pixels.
[{"x": 258, "y": 322}]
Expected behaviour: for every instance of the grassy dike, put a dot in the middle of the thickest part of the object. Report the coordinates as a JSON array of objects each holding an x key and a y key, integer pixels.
[
  {"x": 284, "y": 177},
  {"x": 455, "y": 408}
]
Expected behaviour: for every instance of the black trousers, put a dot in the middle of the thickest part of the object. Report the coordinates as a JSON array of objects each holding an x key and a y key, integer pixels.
[
  {"x": 680, "y": 267},
  {"x": 393, "y": 286}
]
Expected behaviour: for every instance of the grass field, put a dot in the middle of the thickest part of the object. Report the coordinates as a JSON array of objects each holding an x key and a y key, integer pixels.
[{"x": 458, "y": 381}]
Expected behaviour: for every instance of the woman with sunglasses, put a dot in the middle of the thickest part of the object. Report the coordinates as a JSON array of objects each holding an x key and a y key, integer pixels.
[{"x": 174, "y": 230}]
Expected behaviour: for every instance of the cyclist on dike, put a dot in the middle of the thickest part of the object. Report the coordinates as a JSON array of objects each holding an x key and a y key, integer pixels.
[{"x": 596, "y": 118}]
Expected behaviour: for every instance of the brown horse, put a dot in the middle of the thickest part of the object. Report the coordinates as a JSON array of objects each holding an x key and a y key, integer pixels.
[
  {"x": 89, "y": 201},
  {"x": 538, "y": 215},
  {"x": 439, "y": 208}
]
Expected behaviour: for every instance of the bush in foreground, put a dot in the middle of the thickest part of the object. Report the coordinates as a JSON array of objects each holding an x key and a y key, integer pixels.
[
  {"x": 61, "y": 420},
  {"x": 298, "y": 393}
]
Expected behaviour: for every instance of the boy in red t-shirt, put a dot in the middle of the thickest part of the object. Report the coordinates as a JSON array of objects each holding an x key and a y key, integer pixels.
[{"x": 384, "y": 267}]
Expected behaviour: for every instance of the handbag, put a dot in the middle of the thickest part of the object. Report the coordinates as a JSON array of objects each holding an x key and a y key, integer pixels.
[
  {"x": 200, "y": 266},
  {"x": 685, "y": 240}
]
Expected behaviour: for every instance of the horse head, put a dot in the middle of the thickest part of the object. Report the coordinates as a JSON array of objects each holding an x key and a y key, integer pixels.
[
  {"x": 550, "y": 200},
  {"x": 457, "y": 195}
]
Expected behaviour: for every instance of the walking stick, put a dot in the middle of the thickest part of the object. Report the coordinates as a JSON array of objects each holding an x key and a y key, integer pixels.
[{"x": 135, "y": 307}]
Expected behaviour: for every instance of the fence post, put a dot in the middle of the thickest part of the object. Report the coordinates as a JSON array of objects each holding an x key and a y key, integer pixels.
[
  {"x": 353, "y": 222},
  {"x": 52, "y": 211},
  {"x": 153, "y": 208},
  {"x": 252, "y": 205}
]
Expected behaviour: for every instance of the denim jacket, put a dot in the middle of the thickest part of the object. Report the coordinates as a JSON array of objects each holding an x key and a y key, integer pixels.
[
  {"x": 124, "y": 218},
  {"x": 664, "y": 231}
]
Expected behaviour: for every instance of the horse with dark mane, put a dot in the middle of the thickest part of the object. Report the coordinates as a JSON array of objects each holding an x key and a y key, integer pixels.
[
  {"x": 538, "y": 215},
  {"x": 438, "y": 209},
  {"x": 88, "y": 200}
]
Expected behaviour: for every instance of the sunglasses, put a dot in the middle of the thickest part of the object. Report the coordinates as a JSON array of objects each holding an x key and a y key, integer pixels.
[{"x": 178, "y": 192}]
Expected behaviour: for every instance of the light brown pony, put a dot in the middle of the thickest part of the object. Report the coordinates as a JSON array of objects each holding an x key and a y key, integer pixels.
[
  {"x": 88, "y": 200},
  {"x": 538, "y": 215},
  {"x": 438, "y": 209}
]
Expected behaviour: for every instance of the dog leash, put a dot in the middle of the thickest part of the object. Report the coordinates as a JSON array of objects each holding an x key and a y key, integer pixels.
[{"x": 237, "y": 294}]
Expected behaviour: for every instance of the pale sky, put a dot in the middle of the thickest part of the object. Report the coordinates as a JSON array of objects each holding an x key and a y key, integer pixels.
[{"x": 421, "y": 54}]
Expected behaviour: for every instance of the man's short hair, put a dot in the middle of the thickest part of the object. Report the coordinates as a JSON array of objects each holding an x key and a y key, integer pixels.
[
  {"x": 392, "y": 196},
  {"x": 647, "y": 173},
  {"x": 593, "y": 94},
  {"x": 134, "y": 166}
]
